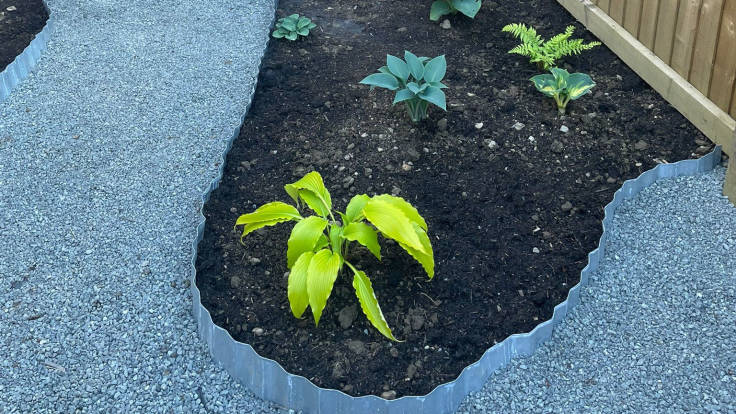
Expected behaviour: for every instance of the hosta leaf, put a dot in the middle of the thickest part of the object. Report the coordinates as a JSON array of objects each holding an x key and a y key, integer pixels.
[
  {"x": 369, "y": 303},
  {"x": 291, "y": 36},
  {"x": 251, "y": 227},
  {"x": 579, "y": 84},
  {"x": 317, "y": 197},
  {"x": 365, "y": 235},
  {"x": 561, "y": 76},
  {"x": 289, "y": 24},
  {"x": 297, "y": 288},
  {"x": 269, "y": 212},
  {"x": 384, "y": 69},
  {"x": 303, "y": 32},
  {"x": 321, "y": 275},
  {"x": 321, "y": 243},
  {"x": 546, "y": 84},
  {"x": 435, "y": 96},
  {"x": 382, "y": 80},
  {"x": 426, "y": 257},
  {"x": 304, "y": 237},
  {"x": 416, "y": 88},
  {"x": 398, "y": 67},
  {"x": 311, "y": 26},
  {"x": 392, "y": 222},
  {"x": 435, "y": 69},
  {"x": 411, "y": 213},
  {"x": 438, "y": 85},
  {"x": 303, "y": 22},
  {"x": 467, "y": 7},
  {"x": 415, "y": 65},
  {"x": 403, "y": 95},
  {"x": 439, "y": 9},
  {"x": 278, "y": 33},
  {"x": 354, "y": 210}
]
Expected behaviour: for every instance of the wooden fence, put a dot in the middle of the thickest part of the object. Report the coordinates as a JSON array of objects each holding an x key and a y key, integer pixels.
[{"x": 685, "y": 49}]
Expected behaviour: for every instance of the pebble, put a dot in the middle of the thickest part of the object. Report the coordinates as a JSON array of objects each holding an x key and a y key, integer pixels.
[
  {"x": 391, "y": 394},
  {"x": 518, "y": 126},
  {"x": 567, "y": 206},
  {"x": 479, "y": 125},
  {"x": 257, "y": 331},
  {"x": 641, "y": 145},
  {"x": 564, "y": 129},
  {"x": 535, "y": 250},
  {"x": 446, "y": 24},
  {"x": 442, "y": 124}
]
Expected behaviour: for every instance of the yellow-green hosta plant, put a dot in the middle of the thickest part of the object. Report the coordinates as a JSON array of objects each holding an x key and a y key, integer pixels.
[
  {"x": 442, "y": 7},
  {"x": 318, "y": 246},
  {"x": 545, "y": 53},
  {"x": 563, "y": 86},
  {"x": 293, "y": 26},
  {"x": 418, "y": 82}
]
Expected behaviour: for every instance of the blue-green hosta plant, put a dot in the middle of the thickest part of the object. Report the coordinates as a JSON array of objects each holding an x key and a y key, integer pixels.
[
  {"x": 293, "y": 26},
  {"x": 442, "y": 7},
  {"x": 417, "y": 80},
  {"x": 545, "y": 53},
  {"x": 563, "y": 86},
  {"x": 317, "y": 249}
]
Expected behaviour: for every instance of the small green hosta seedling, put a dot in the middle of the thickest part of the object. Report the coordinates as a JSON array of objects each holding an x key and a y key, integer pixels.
[
  {"x": 442, "y": 7},
  {"x": 545, "y": 53},
  {"x": 416, "y": 80},
  {"x": 563, "y": 86},
  {"x": 318, "y": 245},
  {"x": 291, "y": 27}
]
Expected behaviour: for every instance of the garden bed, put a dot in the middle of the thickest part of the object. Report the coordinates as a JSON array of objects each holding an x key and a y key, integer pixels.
[
  {"x": 20, "y": 22},
  {"x": 512, "y": 211}
]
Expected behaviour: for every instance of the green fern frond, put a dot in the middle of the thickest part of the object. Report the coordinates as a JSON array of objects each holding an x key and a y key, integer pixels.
[
  {"x": 527, "y": 35},
  {"x": 546, "y": 53}
]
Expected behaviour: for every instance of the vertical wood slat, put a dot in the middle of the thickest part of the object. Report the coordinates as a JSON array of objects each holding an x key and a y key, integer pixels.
[
  {"x": 648, "y": 23},
  {"x": 724, "y": 68},
  {"x": 616, "y": 10},
  {"x": 666, "y": 23},
  {"x": 605, "y": 5},
  {"x": 687, "y": 26},
  {"x": 704, "y": 53},
  {"x": 632, "y": 14}
]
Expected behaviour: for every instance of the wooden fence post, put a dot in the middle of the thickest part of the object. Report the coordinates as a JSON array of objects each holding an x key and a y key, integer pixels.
[{"x": 729, "y": 187}]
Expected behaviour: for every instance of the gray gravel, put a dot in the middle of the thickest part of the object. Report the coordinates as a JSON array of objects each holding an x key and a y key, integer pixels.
[
  {"x": 655, "y": 331},
  {"x": 104, "y": 152}
]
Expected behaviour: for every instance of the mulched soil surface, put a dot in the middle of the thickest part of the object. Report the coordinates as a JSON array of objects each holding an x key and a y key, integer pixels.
[
  {"x": 511, "y": 226},
  {"x": 20, "y": 22}
]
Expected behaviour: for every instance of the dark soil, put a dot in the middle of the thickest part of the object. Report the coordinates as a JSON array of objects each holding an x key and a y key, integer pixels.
[
  {"x": 18, "y": 27},
  {"x": 511, "y": 226}
]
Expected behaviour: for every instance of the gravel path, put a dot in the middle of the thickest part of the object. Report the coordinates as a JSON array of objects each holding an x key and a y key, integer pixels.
[
  {"x": 655, "y": 331},
  {"x": 104, "y": 152}
]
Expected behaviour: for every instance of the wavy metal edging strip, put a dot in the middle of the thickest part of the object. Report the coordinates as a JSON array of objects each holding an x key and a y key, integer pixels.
[
  {"x": 24, "y": 63},
  {"x": 268, "y": 380}
]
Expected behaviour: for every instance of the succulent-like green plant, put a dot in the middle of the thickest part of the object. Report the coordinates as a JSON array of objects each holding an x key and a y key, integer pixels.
[
  {"x": 442, "y": 7},
  {"x": 293, "y": 26},
  {"x": 545, "y": 53},
  {"x": 416, "y": 80},
  {"x": 563, "y": 86},
  {"x": 318, "y": 245}
]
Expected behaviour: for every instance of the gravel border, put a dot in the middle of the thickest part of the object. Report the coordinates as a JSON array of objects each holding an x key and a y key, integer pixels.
[{"x": 656, "y": 327}]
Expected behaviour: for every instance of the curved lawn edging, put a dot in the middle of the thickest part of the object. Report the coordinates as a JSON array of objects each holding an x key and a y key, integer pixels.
[
  {"x": 268, "y": 380},
  {"x": 24, "y": 63}
]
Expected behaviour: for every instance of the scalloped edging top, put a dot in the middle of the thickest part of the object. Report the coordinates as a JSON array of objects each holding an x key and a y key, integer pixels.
[
  {"x": 267, "y": 379},
  {"x": 24, "y": 63}
]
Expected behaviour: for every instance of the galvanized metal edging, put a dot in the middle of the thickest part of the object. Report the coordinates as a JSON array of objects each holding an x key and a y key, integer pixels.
[
  {"x": 268, "y": 380},
  {"x": 24, "y": 63}
]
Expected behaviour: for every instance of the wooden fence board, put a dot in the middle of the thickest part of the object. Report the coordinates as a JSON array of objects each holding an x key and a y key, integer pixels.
[
  {"x": 666, "y": 22},
  {"x": 704, "y": 54},
  {"x": 687, "y": 26},
  {"x": 724, "y": 68},
  {"x": 616, "y": 10},
  {"x": 648, "y": 25},
  {"x": 605, "y": 5},
  {"x": 632, "y": 15}
]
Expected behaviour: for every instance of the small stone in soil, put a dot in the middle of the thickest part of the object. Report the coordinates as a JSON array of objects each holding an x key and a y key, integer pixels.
[
  {"x": 567, "y": 206},
  {"x": 557, "y": 147},
  {"x": 394, "y": 352},
  {"x": 535, "y": 250},
  {"x": 641, "y": 145},
  {"x": 347, "y": 316},
  {"x": 518, "y": 126},
  {"x": 446, "y": 24},
  {"x": 564, "y": 129},
  {"x": 356, "y": 346},
  {"x": 389, "y": 395},
  {"x": 442, "y": 124},
  {"x": 257, "y": 331},
  {"x": 478, "y": 125}
]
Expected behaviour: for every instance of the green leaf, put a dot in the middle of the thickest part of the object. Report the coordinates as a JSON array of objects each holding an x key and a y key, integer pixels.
[
  {"x": 316, "y": 195},
  {"x": 365, "y": 235},
  {"x": 392, "y": 222},
  {"x": 435, "y": 69},
  {"x": 354, "y": 210},
  {"x": 438, "y": 85},
  {"x": 403, "y": 95},
  {"x": 303, "y": 32},
  {"x": 467, "y": 7},
  {"x": 426, "y": 257},
  {"x": 435, "y": 96},
  {"x": 278, "y": 34},
  {"x": 411, "y": 213},
  {"x": 297, "y": 285},
  {"x": 579, "y": 84},
  {"x": 304, "y": 237},
  {"x": 369, "y": 303},
  {"x": 321, "y": 275},
  {"x": 397, "y": 67},
  {"x": 416, "y": 88},
  {"x": 546, "y": 84},
  {"x": 269, "y": 212},
  {"x": 384, "y": 69},
  {"x": 321, "y": 243},
  {"x": 303, "y": 22},
  {"x": 292, "y": 36},
  {"x": 289, "y": 24},
  {"x": 439, "y": 9},
  {"x": 311, "y": 26},
  {"x": 382, "y": 80},
  {"x": 416, "y": 67},
  {"x": 561, "y": 76}
]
